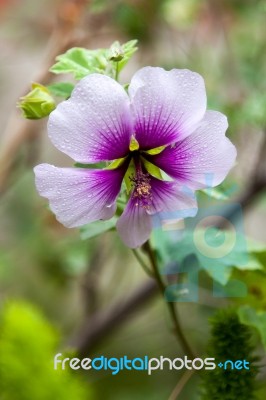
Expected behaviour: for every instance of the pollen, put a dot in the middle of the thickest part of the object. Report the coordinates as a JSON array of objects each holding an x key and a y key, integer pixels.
[{"x": 142, "y": 190}]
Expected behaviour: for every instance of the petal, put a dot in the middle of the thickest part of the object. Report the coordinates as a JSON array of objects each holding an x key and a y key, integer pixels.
[
  {"x": 79, "y": 196},
  {"x": 135, "y": 225},
  {"x": 204, "y": 158},
  {"x": 167, "y": 105},
  {"x": 94, "y": 124},
  {"x": 169, "y": 202}
]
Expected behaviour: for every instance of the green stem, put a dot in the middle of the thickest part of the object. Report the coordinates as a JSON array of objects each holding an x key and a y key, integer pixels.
[
  {"x": 116, "y": 72},
  {"x": 181, "y": 384},
  {"x": 142, "y": 263},
  {"x": 171, "y": 306}
]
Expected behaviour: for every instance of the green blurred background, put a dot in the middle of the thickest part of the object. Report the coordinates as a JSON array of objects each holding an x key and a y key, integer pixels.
[{"x": 50, "y": 280}]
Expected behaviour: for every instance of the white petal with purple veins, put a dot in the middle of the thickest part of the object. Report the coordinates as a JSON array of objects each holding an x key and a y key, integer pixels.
[
  {"x": 176, "y": 200},
  {"x": 169, "y": 201},
  {"x": 167, "y": 105},
  {"x": 135, "y": 225},
  {"x": 79, "y": 196},
  {"x": 94, "y": 124},
  {"x": 204, "y": 158}
]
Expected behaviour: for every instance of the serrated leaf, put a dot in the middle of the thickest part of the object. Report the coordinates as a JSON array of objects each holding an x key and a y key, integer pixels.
[
  {"x": 218, "y": 252},
  {"x": 97, "y": 228},
  {"x": 81, "y": 62},
  {"x": 61, "y": 89}
]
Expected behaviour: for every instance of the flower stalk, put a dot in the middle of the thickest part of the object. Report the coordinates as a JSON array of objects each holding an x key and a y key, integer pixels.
[{"x": 171, "y": 306}]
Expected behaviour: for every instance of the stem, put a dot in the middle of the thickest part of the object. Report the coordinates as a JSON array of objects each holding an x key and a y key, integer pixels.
[
  {"x": 180, "y": 385},
  {"x": 142, "y": 263},
  {"x": 116, "y": 72},
  {"x": 171, "y": 306}
]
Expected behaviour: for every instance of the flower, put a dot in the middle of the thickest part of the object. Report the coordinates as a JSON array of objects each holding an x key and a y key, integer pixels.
[{"x": 160, "y": 125}]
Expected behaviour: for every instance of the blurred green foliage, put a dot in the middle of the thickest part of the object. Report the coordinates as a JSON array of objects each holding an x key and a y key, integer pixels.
[
  {"x": 257, "y": 320},
  {"x": 81, "y": 62},
  {"x": 230, "y": 340},
  {"x": 28, "y": 344}
]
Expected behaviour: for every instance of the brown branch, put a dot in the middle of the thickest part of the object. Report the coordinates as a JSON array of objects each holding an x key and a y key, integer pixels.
[
  {"x": 97, "y": 327},
  {"x": 181, "y": 384}
]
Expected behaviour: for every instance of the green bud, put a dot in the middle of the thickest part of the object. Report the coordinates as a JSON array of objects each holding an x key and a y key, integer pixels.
[
  {"x": 116, "y": 52},
  {"x": 38, "y": 103}
]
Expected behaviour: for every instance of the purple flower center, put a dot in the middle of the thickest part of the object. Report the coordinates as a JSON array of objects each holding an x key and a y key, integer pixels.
[
  {"x": 142, "y": 189},
  {"x": 140, "y": 179}
]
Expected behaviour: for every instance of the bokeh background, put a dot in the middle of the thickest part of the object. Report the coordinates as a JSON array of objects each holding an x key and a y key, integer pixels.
[{"x": 56, "y": 288}]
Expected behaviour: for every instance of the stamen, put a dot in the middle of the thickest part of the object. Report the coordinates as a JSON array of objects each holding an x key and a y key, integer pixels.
[{"x": 142, "y": 189}]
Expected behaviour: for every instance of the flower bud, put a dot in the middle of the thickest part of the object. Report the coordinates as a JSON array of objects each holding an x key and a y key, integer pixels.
[
  {"x": 38, "y": 103},
  {"x": 116, "y": 52}
]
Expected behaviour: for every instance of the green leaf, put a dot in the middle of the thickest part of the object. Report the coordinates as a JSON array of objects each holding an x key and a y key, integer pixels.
[
  {"x": 256, "y": 319},
  {"x": 97, "y": 228},
  {"x": 81, "y": 62},
  {"x": 221, "y": 192},
  {"x": 99, "y": 165},
  {"x": 218, "y": 252},
  {"x": 215, "y": 193},
  {"x": 61, "y": 89}
]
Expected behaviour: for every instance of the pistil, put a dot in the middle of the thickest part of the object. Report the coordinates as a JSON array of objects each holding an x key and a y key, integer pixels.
[{"x": 141, "y": 187}]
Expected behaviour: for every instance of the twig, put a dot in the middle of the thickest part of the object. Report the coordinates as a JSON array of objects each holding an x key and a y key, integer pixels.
[
  {"x": 142, "y": 263},
  {"x": 101, "y": 324},
  {"x": 171, "y": 306},
  {"x": 181, "y": 384}
]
